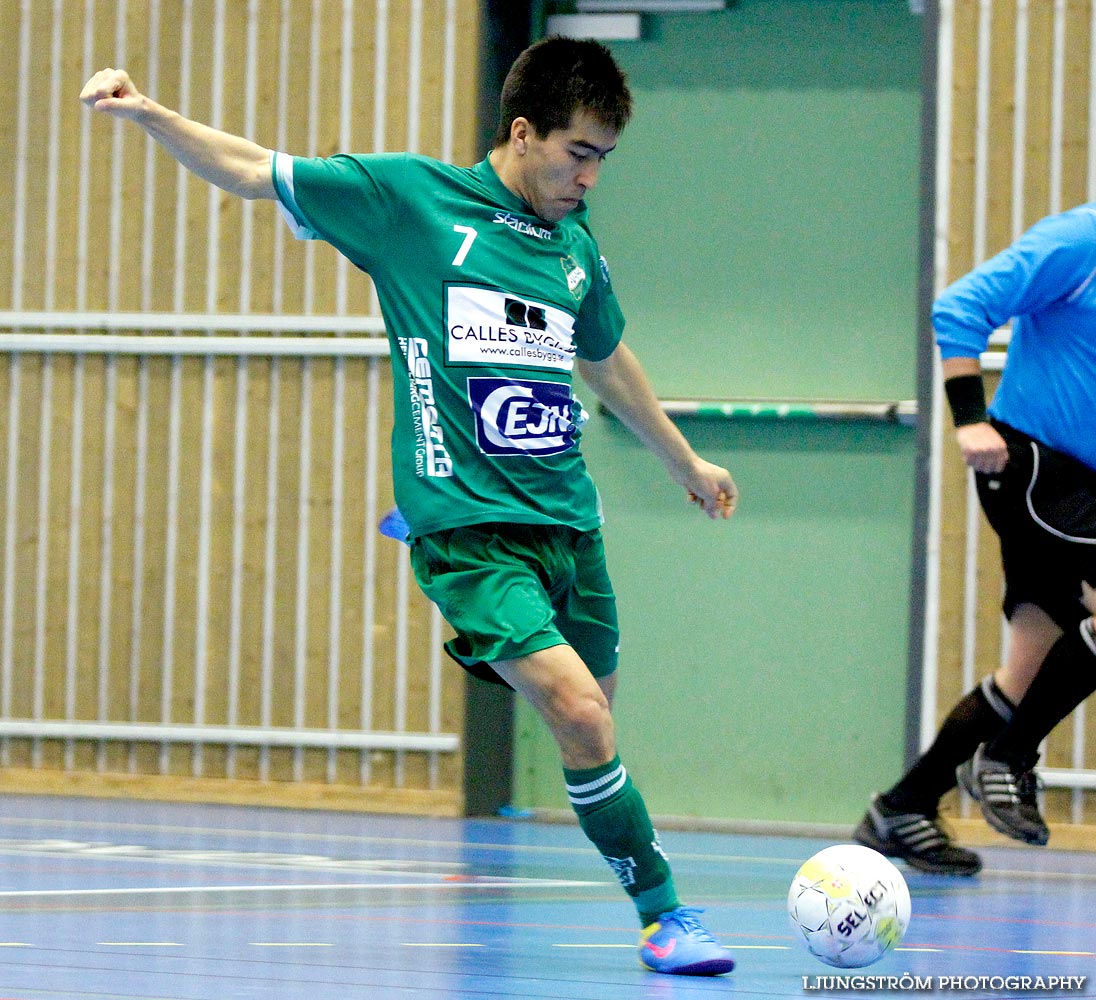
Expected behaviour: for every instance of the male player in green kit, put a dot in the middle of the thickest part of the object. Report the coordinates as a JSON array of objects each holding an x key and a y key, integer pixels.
[{"x": 493, "y": 292}]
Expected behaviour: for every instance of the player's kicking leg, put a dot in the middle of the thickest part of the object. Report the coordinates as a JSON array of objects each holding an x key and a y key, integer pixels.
[{"x": 611, "y": 810}]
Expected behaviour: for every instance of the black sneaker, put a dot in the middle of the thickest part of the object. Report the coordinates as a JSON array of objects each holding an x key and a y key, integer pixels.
[
  {"x": 1006, "y": 792},
  {"x": 964, "y": 777},
  {"x": 916, "y": 838}
]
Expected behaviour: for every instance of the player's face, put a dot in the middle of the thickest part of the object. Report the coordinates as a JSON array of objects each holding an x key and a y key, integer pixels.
[{"x": 559, "y": 168}]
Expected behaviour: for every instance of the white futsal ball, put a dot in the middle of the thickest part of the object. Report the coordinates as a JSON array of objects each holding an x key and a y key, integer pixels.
[{"x": 849, "y": 905}]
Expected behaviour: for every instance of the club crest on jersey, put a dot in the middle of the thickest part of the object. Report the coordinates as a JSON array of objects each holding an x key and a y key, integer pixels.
[
  {"x": 576, "y": 276},
  {"x": 521, "y": 417}
]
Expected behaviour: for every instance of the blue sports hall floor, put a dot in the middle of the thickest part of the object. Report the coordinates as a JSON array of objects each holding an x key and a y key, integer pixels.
[{"x": 115, "y": 899}]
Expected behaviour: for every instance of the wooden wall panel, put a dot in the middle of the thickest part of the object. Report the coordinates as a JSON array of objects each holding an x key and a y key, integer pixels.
[
  {"x": 112, "y": 592},
  {"x": 991, "y": 199}
]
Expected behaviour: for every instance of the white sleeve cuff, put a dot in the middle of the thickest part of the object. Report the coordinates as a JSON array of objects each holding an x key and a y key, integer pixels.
[{"x": 287, "y": 201}]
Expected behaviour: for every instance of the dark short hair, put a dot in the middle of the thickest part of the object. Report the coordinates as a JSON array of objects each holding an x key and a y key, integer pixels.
[{"x": 556, "y": 77}]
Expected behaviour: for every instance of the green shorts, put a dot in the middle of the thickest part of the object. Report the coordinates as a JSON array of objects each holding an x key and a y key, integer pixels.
[{"x": 509, "y": 590}]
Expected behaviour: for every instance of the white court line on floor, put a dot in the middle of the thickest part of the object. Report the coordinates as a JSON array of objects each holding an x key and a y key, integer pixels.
[
  {"x": 1070, "y": 954},
  {"x": 226, "y": 858},
  {"x": 298, "y": 835},
  {"x": 295, "y": 835},
  {"x": 456, "y": 871},
  {"x": 734, "y": 946},
  {"x": 176, "y": 889},
  {"x": 514, "y": 848}
]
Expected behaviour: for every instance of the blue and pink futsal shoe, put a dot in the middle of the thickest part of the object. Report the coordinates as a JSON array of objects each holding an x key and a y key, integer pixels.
[{"x": 680, "y": 945}]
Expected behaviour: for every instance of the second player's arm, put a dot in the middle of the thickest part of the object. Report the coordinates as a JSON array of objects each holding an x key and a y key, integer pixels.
[
  {"x": 981, "y": 446},
  {"x": 228, "y": 161},
  {"x": 622, "y": 385}
]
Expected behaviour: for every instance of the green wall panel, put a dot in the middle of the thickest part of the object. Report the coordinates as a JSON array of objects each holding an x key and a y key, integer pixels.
[
  {"x": 760, "y": 213},
  {"x": 763, "y": 660},
  {"x": 760, "y": 218}
]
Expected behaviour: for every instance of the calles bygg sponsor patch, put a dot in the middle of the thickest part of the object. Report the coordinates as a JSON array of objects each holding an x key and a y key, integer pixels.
[{"x": 485, "y": 326}]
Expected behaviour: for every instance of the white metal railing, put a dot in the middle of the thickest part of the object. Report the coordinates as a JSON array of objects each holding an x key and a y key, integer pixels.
[
  {"x": 373, "y": 351},
  {"x": 145, "y": 321},
  {"x": 895, "y": 412},
  {"x": 268, "y": 347},
  {"x": 256, "y": 736}
]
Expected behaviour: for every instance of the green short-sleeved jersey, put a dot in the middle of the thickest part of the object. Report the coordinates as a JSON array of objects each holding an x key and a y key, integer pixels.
[{"x": 486, "y": 306}]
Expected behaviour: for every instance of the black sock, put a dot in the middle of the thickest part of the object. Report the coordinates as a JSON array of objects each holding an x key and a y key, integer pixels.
[
  {"x": 976, "y": 718},
  {"x": 1065, "y": 679}
]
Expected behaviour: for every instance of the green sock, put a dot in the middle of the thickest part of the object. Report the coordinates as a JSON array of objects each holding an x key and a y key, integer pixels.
[{"x": 613, "y": 815}]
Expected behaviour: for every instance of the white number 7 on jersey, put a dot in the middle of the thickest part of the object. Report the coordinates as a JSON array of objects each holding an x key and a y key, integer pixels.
[{"x": 469, "y": 238}]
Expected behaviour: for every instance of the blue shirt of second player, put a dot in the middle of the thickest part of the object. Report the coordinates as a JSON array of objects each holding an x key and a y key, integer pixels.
[{"x": 1046, "y": 283}]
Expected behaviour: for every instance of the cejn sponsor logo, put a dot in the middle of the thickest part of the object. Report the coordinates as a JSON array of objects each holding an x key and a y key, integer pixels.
[
  {"x": 431, "y": 456},
  {"x": 489, "y": 327},
  {"x": 519, "y": 417},
  {"x": 523, "y": 227}
]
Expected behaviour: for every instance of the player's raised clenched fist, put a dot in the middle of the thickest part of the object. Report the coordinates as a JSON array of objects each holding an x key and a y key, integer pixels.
[{"x": 112, "y": 91}]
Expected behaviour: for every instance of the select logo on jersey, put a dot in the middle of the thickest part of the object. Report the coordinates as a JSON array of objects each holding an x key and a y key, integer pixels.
[
  {"x": 488, "y": 327},
  {"x": 431, "y": 456},
  {"x": 576, "y": 276},
  {"x": 520, "y": 417}
]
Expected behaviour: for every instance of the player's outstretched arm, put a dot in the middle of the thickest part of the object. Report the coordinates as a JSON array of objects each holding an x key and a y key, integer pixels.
[
  {"x": 622, "y": 385},
  {"x": 230, "y": 162}
]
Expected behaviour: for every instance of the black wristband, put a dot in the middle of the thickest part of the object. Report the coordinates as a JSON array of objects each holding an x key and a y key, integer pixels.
[{"x": 967, "y": 399}]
